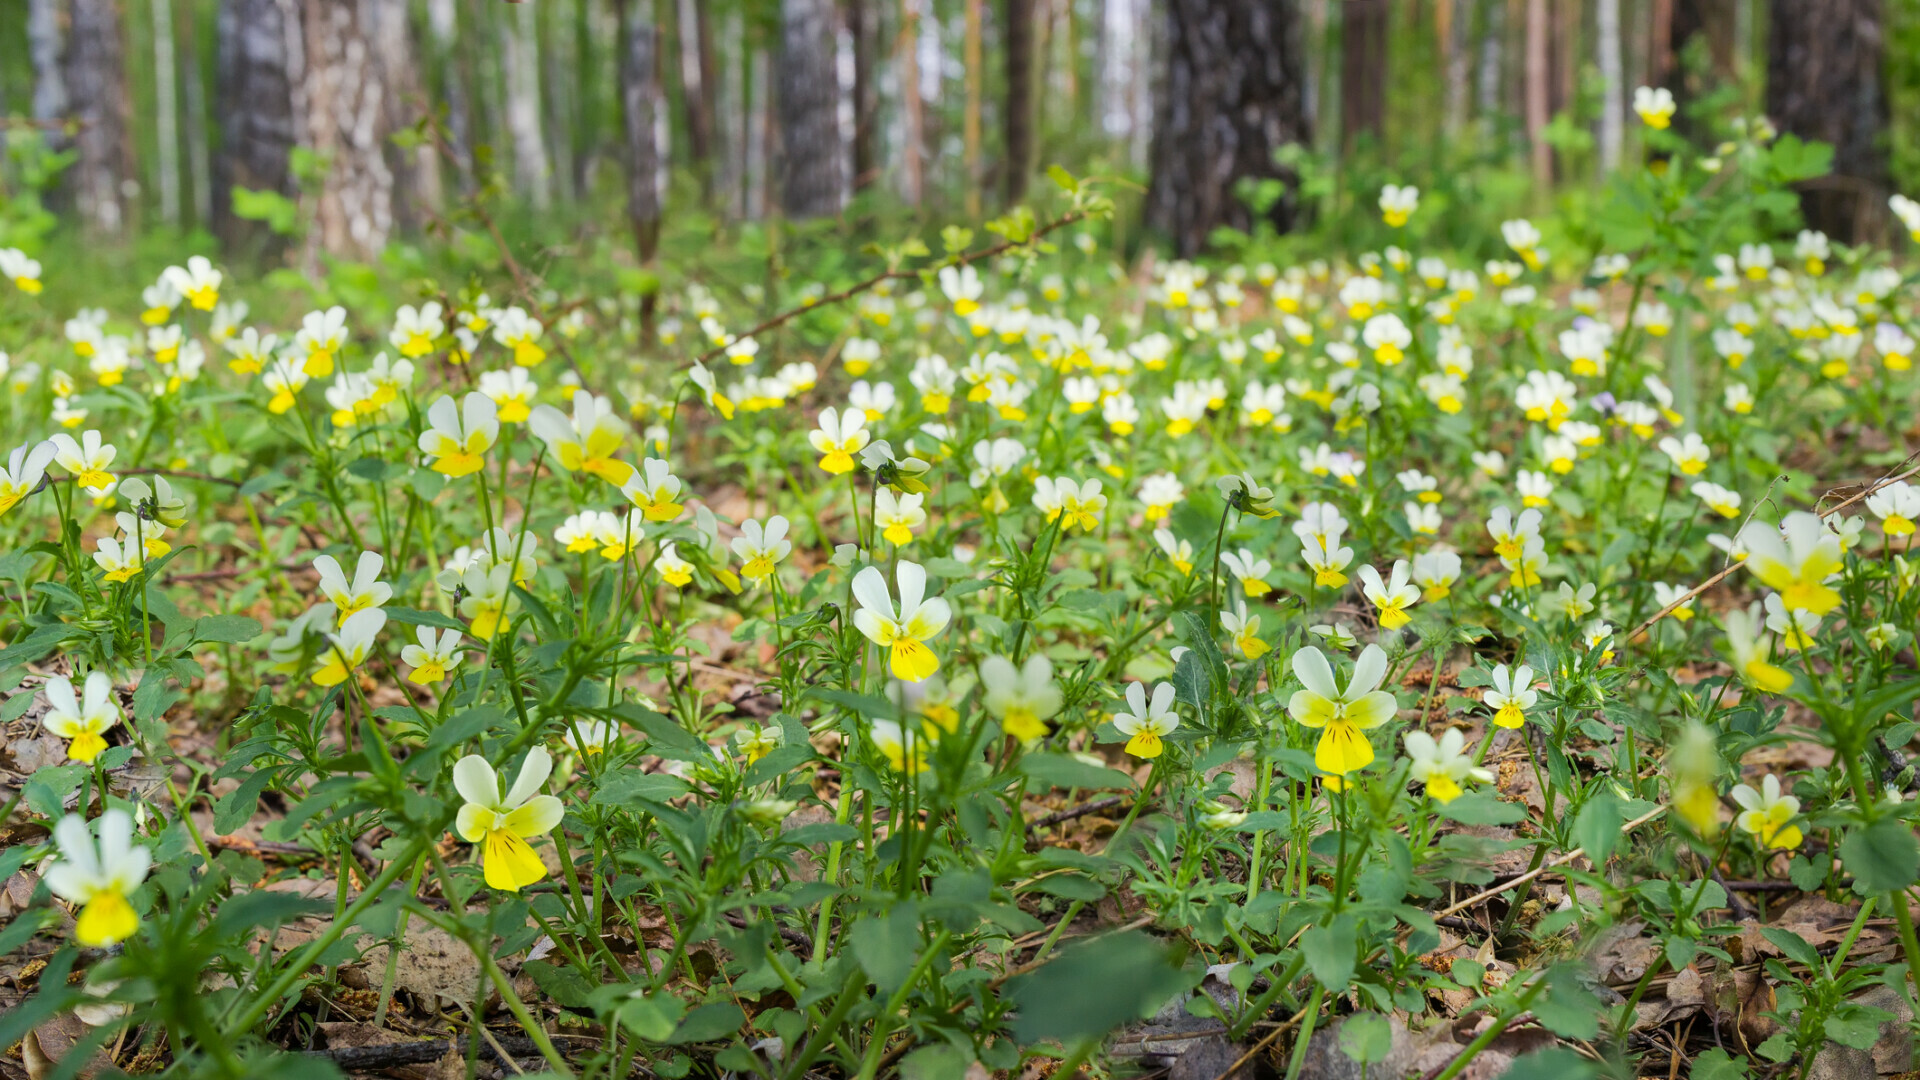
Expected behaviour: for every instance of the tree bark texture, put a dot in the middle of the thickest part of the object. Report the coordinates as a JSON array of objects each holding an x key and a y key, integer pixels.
[
  {"x": 1019, "y": 97},
  {"x": 1824, "y": 82},
  {"x": 808, "y": 108},
  {"x": 639, "y": 102},
  {"x": 1235, "y": 93},
  {"x": 261, "y": 79},
  {"x": 96, "y": 79},
  {"x": 1363, "y": 69},
  {"x": 863, "y": 27},
  {"x": 347, "y": 123}
]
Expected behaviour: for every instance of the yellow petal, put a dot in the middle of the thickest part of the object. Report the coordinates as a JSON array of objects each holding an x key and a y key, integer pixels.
[
  {"x": 912, "y": 661},
  {"x": 510, "y": 862},
  {"x": 105, "y": 920},
  {"x": 1342, "y": 749}
]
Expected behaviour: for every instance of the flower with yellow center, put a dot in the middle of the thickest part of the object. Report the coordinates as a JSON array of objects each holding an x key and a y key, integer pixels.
[
  {"x": 1250, "y": 570},
  {"x": 754, "y": 743},
  {"x": 366, "y": 590},
  {"x": 1022, "y": 699},
  {"x": 896, "y": 516},
  {"x": 654, "y": 490},
  {"x": 1073, "y": 504},
  {"x": 21, "y": 270},
  {"x": 322, "y": 335},
  {"x": 488, "y": 588},
  {"x": 905, "y": 750},
  {"x": 415, "y": 330},
  {"x": 1435, "y": 572},
  {"x": 759, "y": 549},
  {"x": 1146, "y": 723},
  {"x": 458, "y": 437},
  {"x": 1342, "y": 714},
  {"x": 101, "y": 880},
  {"x": 82, "y": 722},
  {"x": 1397, "y": 204},
  {"x": 121, "y": 559},
  {"x": 1178, "y": 552},
  {"x": 87, "y": 459},
  {"x": 1693, "y": 773},
  {"x": 1392, "y": 597},
  {"x": 1655, "y": 106},
  {"x": 588, "y": 441},
  {"x": 1690, "y": 455},
  {"x": 1512, "y": 695},
  {"x": 1796, "y": 559},
  {"x": 1720, "y": 500},
  {"x": 1244, "y": 630},
  {"x": 1442, "y": 764},
  {"x": 26, "y": 468},
  {"x": 1388, "y": 337},
  {"x": 511, "y": 392},
  {"x": 904, "y": 631},
  {"x": 198, "y": 282},
  {"x": 1752, "y": 650},
  {"x": 1897, "y": 506},
  {"x": 1766, "y": 813},
  {"x": 520, "y": 332},
  {"x": 433, "y": 658},
  {"x": 838, "y": 438},
  {"x": 673, "y": 569},
  {"x": 963, "y": 288},
  {"x": 349, "y": 646},
  {"x": 502, "y": 826},
  {"x": 285, "y": 379}
]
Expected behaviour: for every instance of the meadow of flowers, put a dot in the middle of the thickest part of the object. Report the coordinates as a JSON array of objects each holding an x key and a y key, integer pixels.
[{"x": 1432, "y": 663}]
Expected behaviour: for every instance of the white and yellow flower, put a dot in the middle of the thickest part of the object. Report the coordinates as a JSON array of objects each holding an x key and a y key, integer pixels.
[
  {"x": 502, "y": 825},
  {"x": 904, "y": 631}
]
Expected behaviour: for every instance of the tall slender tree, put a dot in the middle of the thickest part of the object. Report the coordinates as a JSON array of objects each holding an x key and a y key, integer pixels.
[
  {"x": 260, "y": 79},
  {"x": 1019, "y": 97},
  {"x": 1236, "y": 84},
  {"x": 346, "y": 124},
  {"x": 1824, "y": 82},
  {"x": 863, "y": 27},
  {"x": 96, "y": 79},
  {"x": 639, "y": 101},
  {"x": 1363, "y": 69},
  {"x": 809, "y": 98}
]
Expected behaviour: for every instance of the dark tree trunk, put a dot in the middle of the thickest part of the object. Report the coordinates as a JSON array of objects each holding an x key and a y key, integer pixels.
[
  {"x": 1363, "y": 69},
  {"x": 1019, "y": 119},
  {"x": 261, "y": 72},
  {"x": 96, "y": 79},
  {"x": 638, "y": 102},
  {"x": 1235, "y": 93},
  {"x": 416, "y": 171},
  {"x": 47, "y": 47},
  {"x": 809, "y": 95},
  {"x": 1705, "y": 27},
  {"x": 348, "y": 125},
  {"x": 699, "y": 85},
  {"x": 1824, "y": 82},
  {"x": 863, "y": 26}
]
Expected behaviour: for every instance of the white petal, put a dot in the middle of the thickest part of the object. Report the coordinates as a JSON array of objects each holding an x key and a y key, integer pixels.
[
  {"x": 533, "y": 774},
  {"x": 474, "y": 779}
]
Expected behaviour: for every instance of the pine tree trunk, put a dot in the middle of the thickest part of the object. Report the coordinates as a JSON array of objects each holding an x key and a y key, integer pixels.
[
  {"x": 809, "y": 106},
  {"x": 970, "y": 124},
  {"x": 1019, "y": 103},
  {"x": 1539, "y": 153},
  {"x": 260, "y": 79},
  {"x": 912, "y": 116},
  {"x": 1234, "y": 94},
  {"x": 1459, "y": 65},
  {"x": 193, "y": 100},
  {"x": 416, "y": 172},
  {"x": 96, "y": 79},
  {"x": 638, "y": 102},
  {"x": 347, "y": 125},
  {"x": 443, "y": 27},
  {"x": 47, "y": 47},
  {"x": 1363, "y": 69},
  {"x": 1823, "y": 82}
]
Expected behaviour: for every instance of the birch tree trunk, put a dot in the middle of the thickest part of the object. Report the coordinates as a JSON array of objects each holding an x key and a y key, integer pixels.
[
  {"x": 1459, "y": 65},
  {"x": 1823, "y": 82},
  {"x": 1539, "y": 154},
  {"x": 970, "y": 123},
  {"x": 809, "y": 100},
  {"x": 260, "y": 76},
  {"x": 346, "y": 123},
  {"x": 639, "y": 102},
  {"x": 520, "y": 53},
  {"x": 166, "y": 114},
  {"x": 96, "y": 79},
  {"x": 1613, "y": 111},
  {"x": 1235, "y": 94}
]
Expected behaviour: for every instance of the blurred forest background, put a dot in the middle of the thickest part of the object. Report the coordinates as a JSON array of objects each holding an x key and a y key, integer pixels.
[{"x": 294, "y": 130}]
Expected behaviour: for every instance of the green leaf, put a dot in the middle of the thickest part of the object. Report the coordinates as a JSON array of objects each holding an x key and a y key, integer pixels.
[
  {"x": 1329, "y": 951},
  {"x": 1717, "y": 1064},
  {"x": 1882, "y": 856},
  {"x": 1094, "y": 987},
  {"x": 1793, "y": 945},
  {"x": 709, "y": 1022},
  {"x": 630, "y": 787},
  {"x": 563, "y": 984},
  {"x": 236, "y": 806},
  {"x": 652, "y": 1018},
  {"x": 941, "y": 1061},
  {"x": 1552, "y": 1063},
  {"x": 887, "y": 946},
  {"x": 1067, "y": 771},
  {"x": 415, "y": 617},
  {"x": 664, "y": 737},
  {"x": 1367, "y": 1038},
  {"x": 1596, "y": 828},
  {"x": 1568, "y": 1008},
  {"x": 226, "y": 628},
  {"x": 1480, "y": 808},
  {"x": 263, "y": 907}
]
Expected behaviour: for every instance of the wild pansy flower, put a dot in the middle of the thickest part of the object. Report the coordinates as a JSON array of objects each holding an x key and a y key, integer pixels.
[
  {"x": 100, "y": 879},
  {"x": 1250, "y": 569},
  {"x": 82, "y": 721},
  {"x": 838, "y": 437},
  {"x": 1147, "y": 722},
  {"x": 654, "y": 490},
  {"x": 1752, "y": 649},
  {"x": 1342, "y": 714},
  {"x": 1022, "y": 698},
  {"x": 586, "y": 442},
  {"x": 1512, "y": 695},
  {"x": 437, "y": 654},
  {"x": 906, "y": 630},
  {"x": 26, "y": 468},
  {"x": 366, "y": 590},
  {"x": 1391, "y": 598},
  {"x": 502, "y": 825},
  {"x": 415, "y": 329},
  {"x": 1443, "y": 764},
  {"x": 87, "y": 460},
  {"x": 458, "y": 436},
  {"x": 1766, "y": 813},
  {"x": 350, "y": 646},
  {"x": 1796, "y": 558},
  {"x": 760, "y": 548}
]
